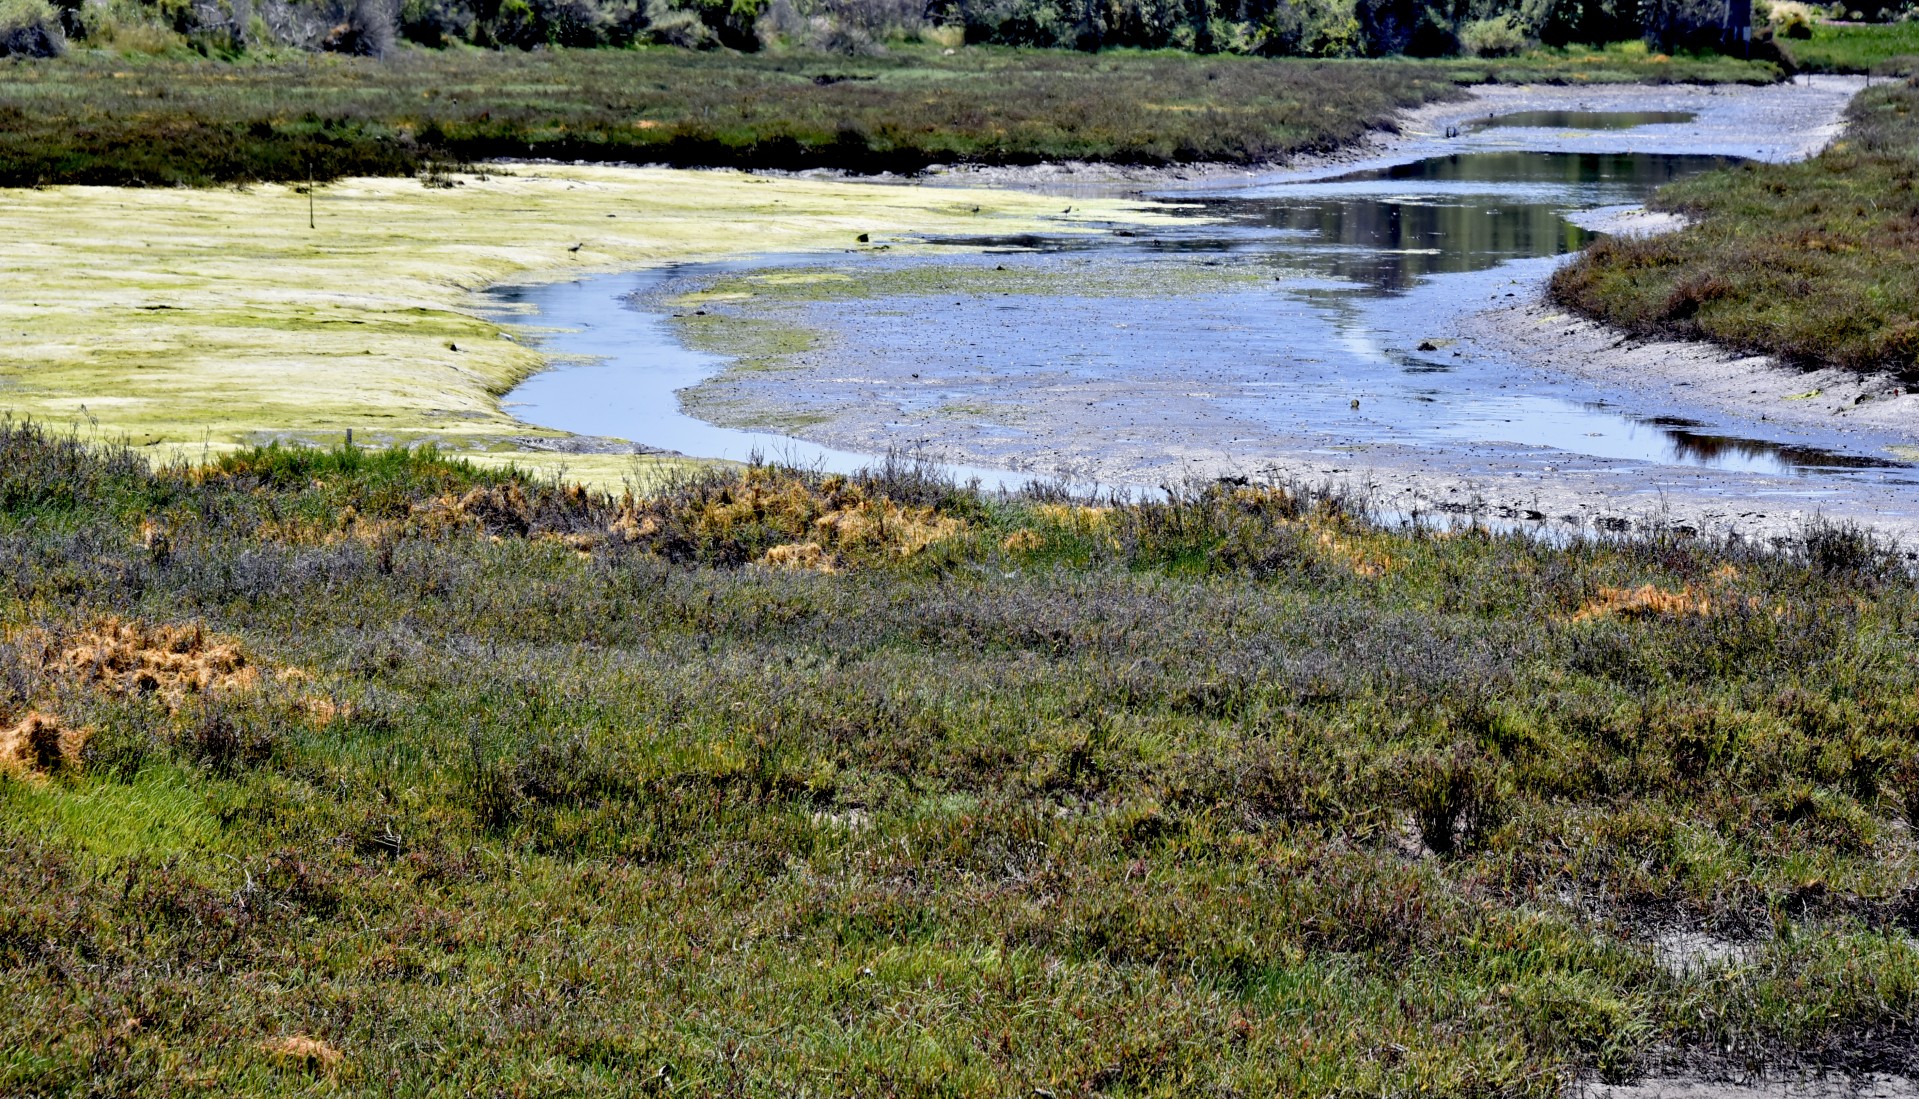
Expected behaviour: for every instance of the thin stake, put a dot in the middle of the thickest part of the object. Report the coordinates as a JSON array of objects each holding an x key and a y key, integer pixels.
[{"x": 309, "y": 194}]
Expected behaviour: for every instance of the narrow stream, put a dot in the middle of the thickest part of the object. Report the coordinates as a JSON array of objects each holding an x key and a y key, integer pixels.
[{"x": 1295, "y": 316}]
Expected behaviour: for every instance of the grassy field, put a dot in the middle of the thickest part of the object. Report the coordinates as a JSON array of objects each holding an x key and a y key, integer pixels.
[
  {"x": 183, "y": 320},
  {"x": 350, "y": 772},
  {"x": 1859, "y": 48},
  {"x": 1816, "y": 262},
  {"x": 113, "y": 120}
]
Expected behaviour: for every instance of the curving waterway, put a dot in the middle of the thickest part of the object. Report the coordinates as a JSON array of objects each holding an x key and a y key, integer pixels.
[{"x": 1299, "y": 316}]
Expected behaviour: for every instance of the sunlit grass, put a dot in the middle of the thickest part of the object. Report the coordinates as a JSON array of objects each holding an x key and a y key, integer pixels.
[
  {"x": 1816, "y": 262},
  {"x": 579, "y": 793}
]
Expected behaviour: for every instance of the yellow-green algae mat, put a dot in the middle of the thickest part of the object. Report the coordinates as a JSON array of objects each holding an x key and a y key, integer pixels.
[{"x": 195, "y": 321}]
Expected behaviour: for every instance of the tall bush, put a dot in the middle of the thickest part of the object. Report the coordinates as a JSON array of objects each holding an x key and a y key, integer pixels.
[{"x": 30, "y": 28}]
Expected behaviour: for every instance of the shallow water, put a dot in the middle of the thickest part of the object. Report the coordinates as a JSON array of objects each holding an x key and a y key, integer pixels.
[
  {"x": 618, "y": 369},
  {"x": 1319, "y": 339},
  {"x": 1584, "y": 120}
]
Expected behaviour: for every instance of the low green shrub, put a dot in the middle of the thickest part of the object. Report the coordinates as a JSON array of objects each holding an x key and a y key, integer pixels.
[{"x": 1816, "y": 262}]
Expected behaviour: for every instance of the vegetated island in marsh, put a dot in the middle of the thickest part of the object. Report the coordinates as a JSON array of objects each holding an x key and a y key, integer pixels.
[
  {"x": 98, "y": 119},
  {"x": 766, "y": 779},
  {"x": 1814, "y": 262}
]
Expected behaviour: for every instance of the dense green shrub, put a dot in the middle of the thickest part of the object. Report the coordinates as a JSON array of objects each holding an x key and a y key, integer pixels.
[
  {"x": 29, "y": 28},
  {"x": 1498, "y": 36},
  {"x": 1306, "y": 28}
]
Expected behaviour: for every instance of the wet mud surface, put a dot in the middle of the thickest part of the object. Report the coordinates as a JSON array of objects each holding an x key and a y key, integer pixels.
[{"x": 1317, "y": 324}]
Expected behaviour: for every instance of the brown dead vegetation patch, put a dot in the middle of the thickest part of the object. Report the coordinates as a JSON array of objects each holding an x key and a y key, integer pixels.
[
  {"x": 40, "y": 745},
  {"x": 1645, "y": 601},
  {"x": 310, "y": 1053},
  {"x": 843, "y": 517},
  {"x": 1023, "y": 541},
  {"x": 135, "y": 658},
  {"x": 799, "y": 557},
  {"x": 1078, "y": 518},
  {"x": 1355, "y": 557}
]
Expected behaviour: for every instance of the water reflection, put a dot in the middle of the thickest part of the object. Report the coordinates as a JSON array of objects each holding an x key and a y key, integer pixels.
[
  {"x": 1583, "y": 120},
  {"x": 1329, "y": 354},
  {"x": 1642, "y": 172},
  {"x": 1706, "y": 448}
]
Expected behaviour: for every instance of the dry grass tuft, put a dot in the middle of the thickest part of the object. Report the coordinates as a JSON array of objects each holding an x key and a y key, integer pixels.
[
  {"x": 887, "y": 526},
  {"x": 1077, "y": 518},
  {"x": 495, "y": 509},
  {"x": 321, "y": 711},
  {"x": 1354, "y": 557},
  {"x": 843, "y": 516},
  {"x": 173, "y": 662},
  {"x": 799, "y": 556},
  {"x": 1645, "y": 601},
  {"x": 1023, "y": 541},
  {"x": 40, "y": 745},
  {"x": 312, "y": 1053}
]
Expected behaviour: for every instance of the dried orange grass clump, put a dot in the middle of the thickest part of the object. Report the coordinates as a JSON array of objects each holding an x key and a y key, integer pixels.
[
  {"x": 800, "y": 557},
  {"x": 1078, "y": 518},
  {"x": 1645, "y": 601},
  {"x": 40, "y": 745},
  {"x": 1023, "y": 541},
  {"x": 312, "y": 1053},
  {"x": 135, "y": 658},
  {"x": 1354, "y": 557},
  {"x": 838, "y": 515}
]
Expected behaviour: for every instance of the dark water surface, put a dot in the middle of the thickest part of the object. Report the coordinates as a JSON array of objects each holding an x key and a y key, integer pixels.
[
  {"x": 1584, "y": 120},
  {"x": 1331, "y": 350}
]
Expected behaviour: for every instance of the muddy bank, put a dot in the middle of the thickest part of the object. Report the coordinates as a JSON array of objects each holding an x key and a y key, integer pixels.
[
  {"x": 1876, "y": 1086},
  {"x": 1879, "y": 411},
  {"x": 1347, "y": 356}
]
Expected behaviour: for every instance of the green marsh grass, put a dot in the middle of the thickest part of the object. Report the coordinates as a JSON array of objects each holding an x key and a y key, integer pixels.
[
  {"x": 1230, "y": 791},
  {"x": 98, "y": 118},
  {"x": 1816, "y": 262},
  {"x": 1880, "y": 48}
]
